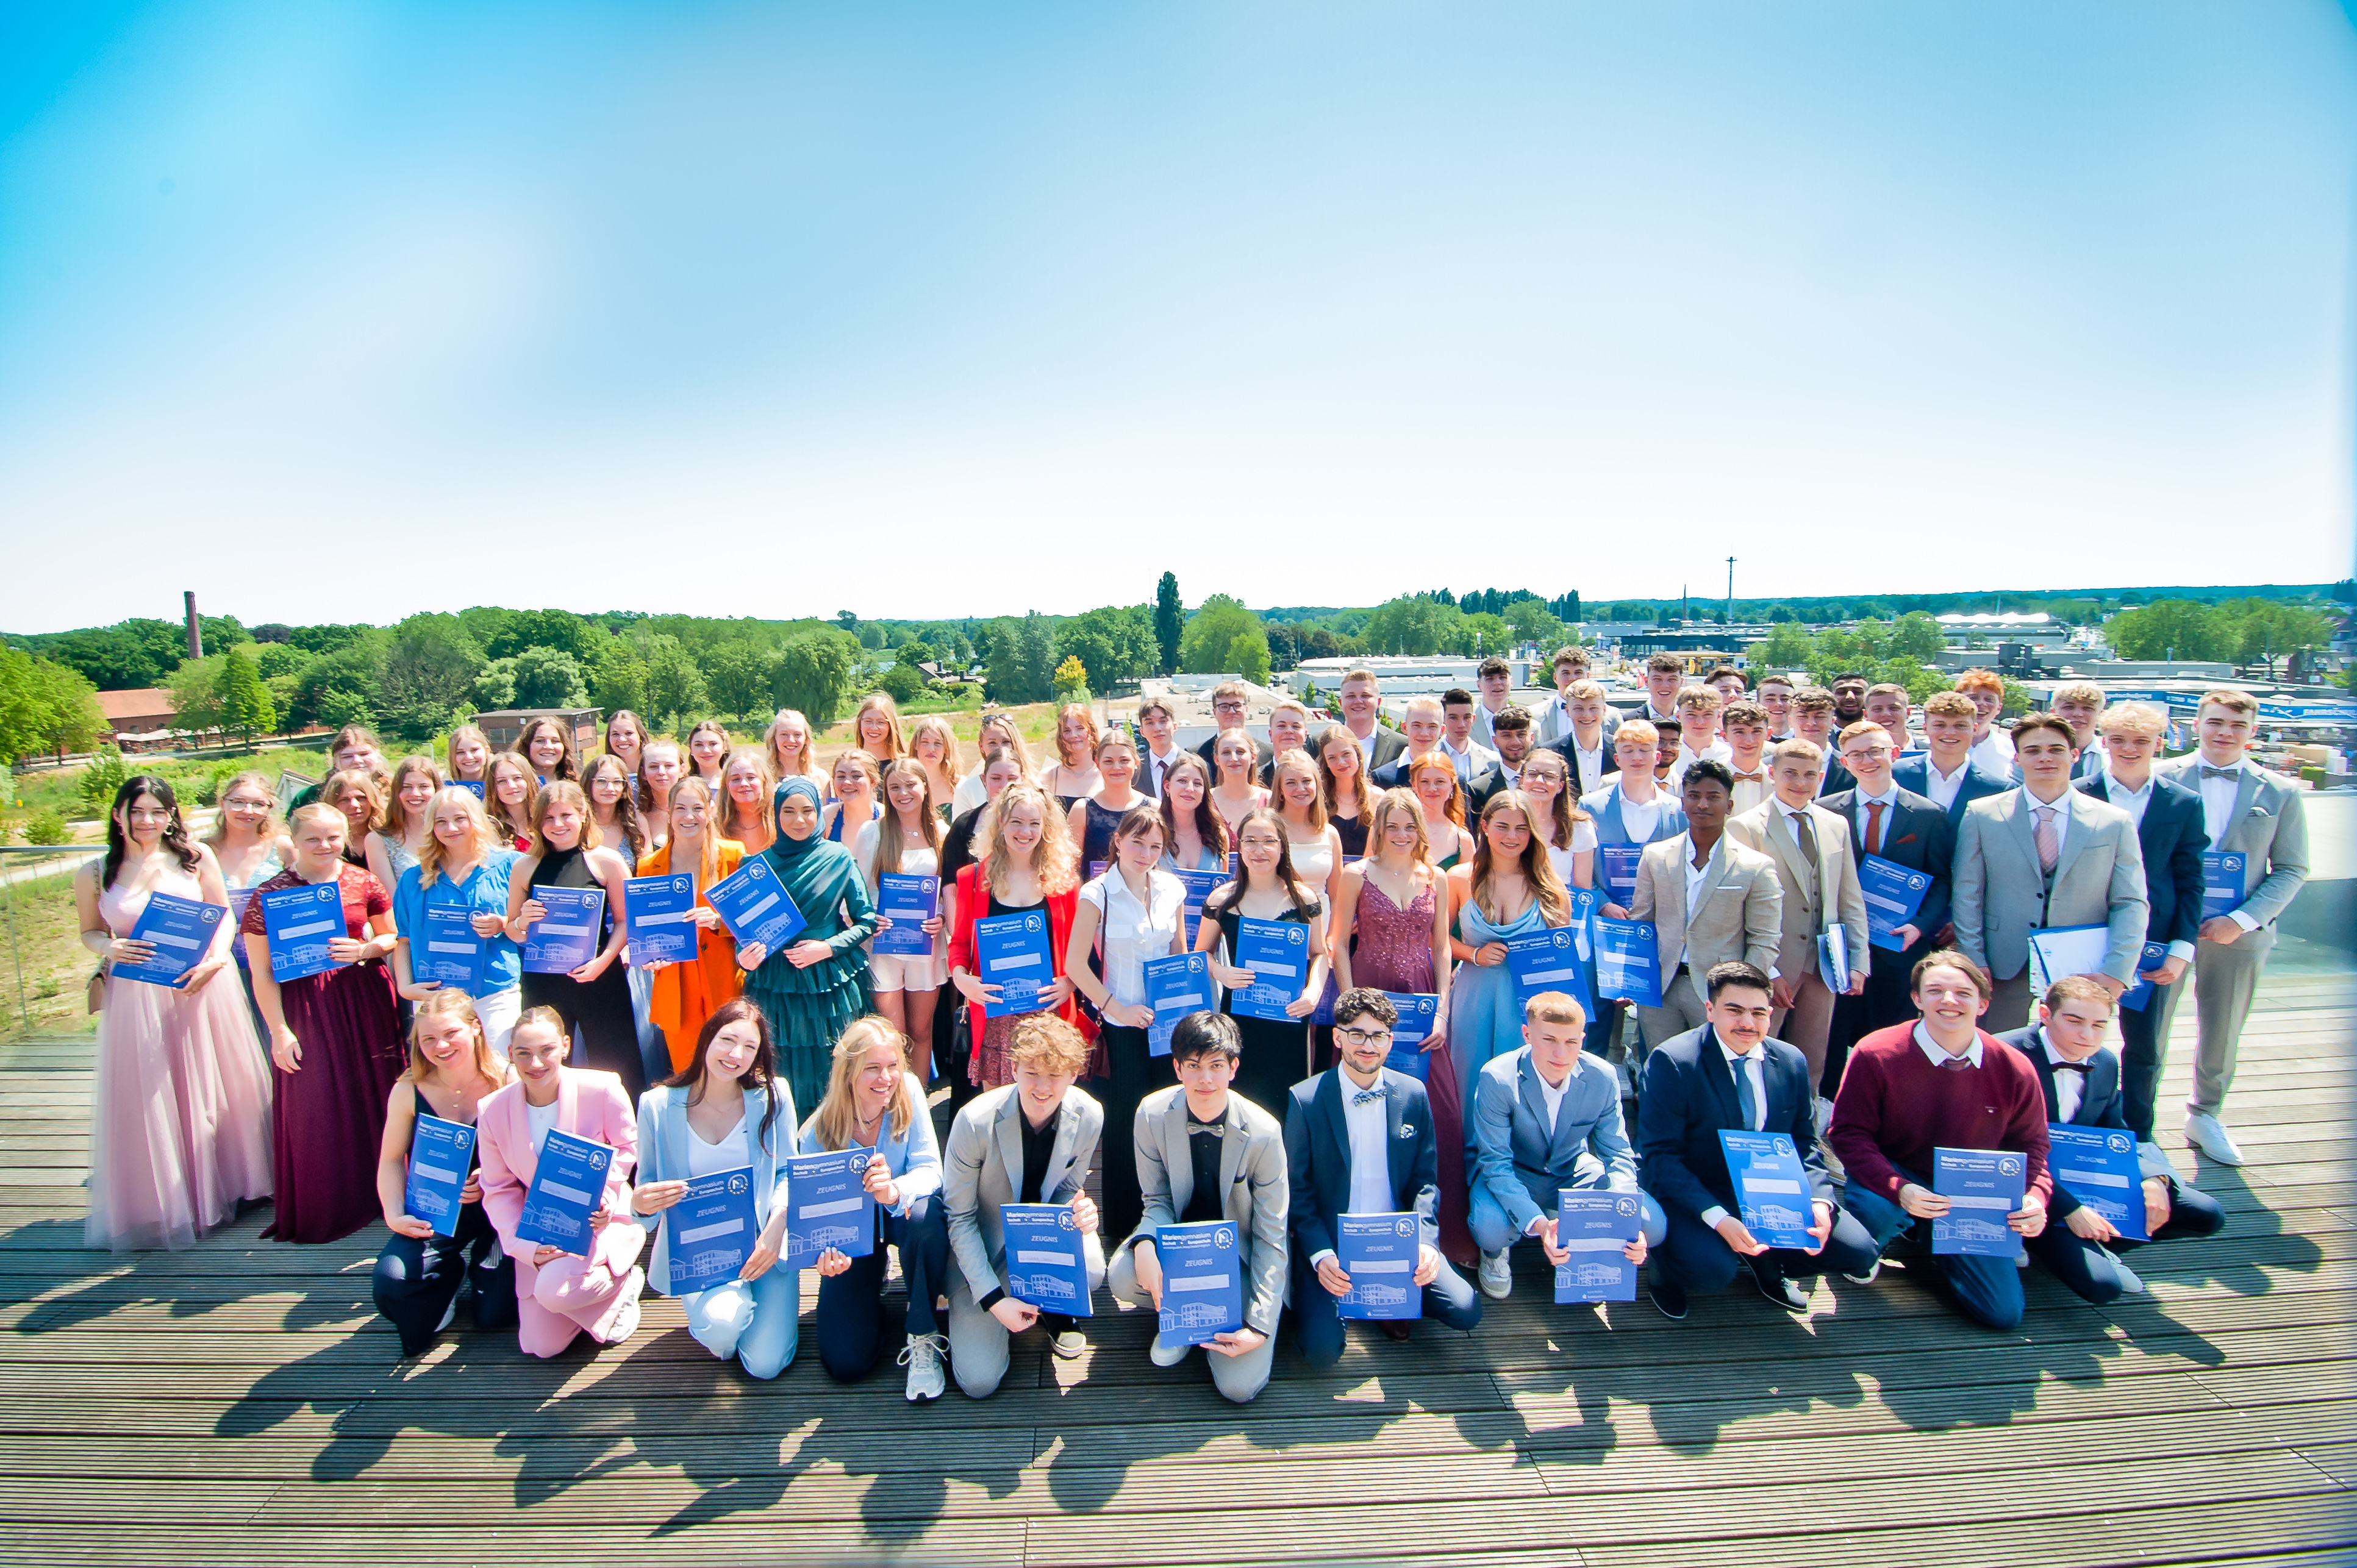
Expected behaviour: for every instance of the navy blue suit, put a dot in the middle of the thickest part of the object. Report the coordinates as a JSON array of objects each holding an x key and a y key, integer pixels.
[
  {"x": 2172, "y": 836},
  {"x": 1912, "y": 773},
  {"x": 1689, "y": 1098},
  {"x": 1317, "y": 1158},
  {"x": 1918, "y": 835},
  {"x": 2083, "y": 1266}
]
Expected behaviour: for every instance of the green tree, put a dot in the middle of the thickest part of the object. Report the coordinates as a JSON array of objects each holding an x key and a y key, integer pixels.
[
  {"x": 739, "y": 676},
  {"x": 1916, "y": 636},
  {"x": 1483, "y": 634},
  {"x": 195, "y": 692},
  {"x": 1072, "y": 680},
  {"x": 1788, "y": 647},
  {"x": 2268, "y": 629},
  {"x": 1413, "y": 624},
  {"x": 904, "y": 683},
  {"x": 674, "y": 685},
  {"x": 350, "y": 680},
  {"x": 1114, "y": 644},
  {"x": 1216, "y": 639},
  {"x": 549, "y": 678},
  {"x": 44, "y": 706},
  {"x": 245, "y": 705},
  {"x": 1021, "y": 666},
  {"x": 618, "y": 679},
  {"x": 430, "y": 665},
  {"x": 814, "y": 674},
  {"x": 1530, "y": 620},
  {"x": 561, "y": 630},
  {"x": 1170, "y": 621},
  {"x": 2173, "y": 628},
  {"x": 495, "y": 685}
]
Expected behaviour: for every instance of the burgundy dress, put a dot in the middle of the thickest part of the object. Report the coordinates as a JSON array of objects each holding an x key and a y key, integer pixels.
[
  {"x": 330, "y": 1118},
  {"x": 1393, "y": 951}
]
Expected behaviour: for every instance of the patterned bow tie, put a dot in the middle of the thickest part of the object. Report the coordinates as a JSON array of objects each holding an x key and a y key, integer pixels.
[
  {"x": 2209, "y": 772},
  {"x": 2084, "y": 1067},
  {"x": 1751, "y": 779},
  {"x": 1366, "y": 1096},
  {"x": 1214, "y": 1128}
]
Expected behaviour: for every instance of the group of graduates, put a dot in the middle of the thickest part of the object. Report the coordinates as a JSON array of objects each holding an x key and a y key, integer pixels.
[{"x": 1412, "y": 857}]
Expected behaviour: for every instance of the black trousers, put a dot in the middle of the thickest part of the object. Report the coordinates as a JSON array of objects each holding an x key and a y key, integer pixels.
[
  {"x": 416, "y": 1280},
  {"x": 2083, "y": 1266},
  {"x": 851, "y": 1327},
  {"x": 1697, "y": 1257},
  {"x": 1135, "y": 1075},
  {"x": 602, "y": 1010},
  {"x": 2141, "y": 1056}
]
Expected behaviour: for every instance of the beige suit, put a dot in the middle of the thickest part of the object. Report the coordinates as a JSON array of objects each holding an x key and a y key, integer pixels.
[
  {"x": 2000, "y": 894},
  {"x": 1817, "y": 898},
  {"x": 1739, "y": 916}
]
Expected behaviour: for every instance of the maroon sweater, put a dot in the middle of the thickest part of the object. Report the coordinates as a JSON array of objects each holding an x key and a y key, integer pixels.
[{"x": 1895, "y": 1107}]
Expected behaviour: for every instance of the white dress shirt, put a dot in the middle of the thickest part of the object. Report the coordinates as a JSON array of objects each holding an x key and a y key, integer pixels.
[
  {"x": 1641, "y": 819},
  {"x": 1592, "y": 764},
  {"x": 1717, "y": 751},
  {"x": 1155, "y": 766},
  {"x": 1938, "y": 1054},
  {"x": 2218, "y": 797},
  {"x": 2069, "y": 1087},
  {"x": 1369, "y": 1125},
  {"x": 1474, "y": 758},
  {"x": 1553, "y": 1095},
  {"x": 1697, "y": 876},
  {"x": 1746, "y": 1065},
  {"x": 1942, "y": 787},
  {"x": 2132, "y": 801},
  {"x": 1994, "y": 751}
]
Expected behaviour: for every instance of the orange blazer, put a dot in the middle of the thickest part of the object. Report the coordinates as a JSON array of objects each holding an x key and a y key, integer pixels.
[{"x": 687, "y": 993}]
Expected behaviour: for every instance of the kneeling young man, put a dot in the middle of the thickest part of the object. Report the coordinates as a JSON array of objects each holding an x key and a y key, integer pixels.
[
  {"x": 1205, "y": 1153},
  {"x": 2080, "y": 1077},
  {"x": 1729, "y": 1076},
  {"x": 1358, "y": 1140},
  {"x": 1032, "y": 1141},
  {"x": 1545, "y": 1118},
  {"x": 1941, "y": 1082}
]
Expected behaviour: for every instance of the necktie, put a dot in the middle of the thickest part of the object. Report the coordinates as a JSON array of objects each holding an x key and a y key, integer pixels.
[
  {"x": 1743, "y": 1094},
  {"x": 1874, "y": 827},
  {"x": 2049, "y": 847},
  {"x": 2209, "y": 772},
  {"x": 1366, "y": 1096},
  {"x": 1806, "y": 832},
  {"x": 1957, "y": 1063}
]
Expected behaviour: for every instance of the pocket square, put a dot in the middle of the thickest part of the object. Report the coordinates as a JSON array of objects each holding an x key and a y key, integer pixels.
[
  {"x": 1908, "y": 838},
  {"x": 1405, "y": 1130}
]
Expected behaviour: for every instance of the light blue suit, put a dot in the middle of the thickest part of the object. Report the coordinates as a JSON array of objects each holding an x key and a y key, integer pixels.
[
  {"x": 757, "y": 1322},
  {"x": 1520, "y": 1163}
]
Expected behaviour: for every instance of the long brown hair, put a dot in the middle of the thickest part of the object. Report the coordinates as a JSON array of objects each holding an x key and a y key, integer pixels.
[
  {"x": 569, "y": 765},
  {"x": 271, "y": 827},
  {"x": 496, "y": 811},
  {"x": 761, "y": 1075},
  {"x": 1536, "y": 868},
  {"x": 1231, "y": 894},
  {"x": 393, "y": 822},
  {"x": 1363, "y": 789},
  {"x": 1209, "y": 826},
  {"x": 891, "y": 839},
  {"x": 175, "y": 836},
  {"x": 625, "y": 809},
  {"x": 1423, "y": 759},
  {"x": 560, "y": 791},
  {"x": 835, "y": 1119},
  {"x": 727, "y": 826}
]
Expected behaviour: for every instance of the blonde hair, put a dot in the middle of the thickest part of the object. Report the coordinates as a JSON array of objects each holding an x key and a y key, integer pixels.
[
  {"x": 2226, "y": 697},
  {"x": 558, "y": 792},
  {"x": 1297, "y": 760},
  {"x": 769, "y": 738},
  {"x": 891, "y": 839},
  {"x": 1696, "y": 697},
  {"x": 1252, "y": 755},
  {"x": 706, "y": 869},
  {"x": 1808, "y": 751},
  {"x": 1943, "y": 705},
  {"x": 726, "y": 827},
  {"x": 1012, "y": 739},
  {"x": 429, "y": 854},
  {"x": 1050, "y": 1042},
  {"x": 836, "y": 1120},
  {"x": 271, "y": 827},
  {"x": 880, "y": 701},
  {"x": 2138, "y": 718},
  {"x": 1554, "y": 1007},
  {"x": 1639, "y": 730},
  {"x": 934, "y": 724},
  {"x": 1389, "y": 804},
  {"x": 446, "y": 999},
  {"x": 1053, "y": 859},
  {"x": 475, "y": 734},
  {"x": 341, "y": 784},
  {"x": 555, "y": 1021},
  {"x": 865, "y": 762},
  {"x": 316, "y": 812},
  {"x": 1555, "y": 902}
]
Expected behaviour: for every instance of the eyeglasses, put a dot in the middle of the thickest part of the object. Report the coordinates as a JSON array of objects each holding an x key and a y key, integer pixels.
[{"x": 1350, "y": 1037}]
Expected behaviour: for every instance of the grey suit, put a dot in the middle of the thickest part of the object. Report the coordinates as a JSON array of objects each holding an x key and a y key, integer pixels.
[
  {"x": 1741, "y": 917},
  {"x": 2000, "y": 893},
  {"x": 2269, "y": 829},
  {"x": 981, "y": 1171},
  {"x": 1257, "y": 1202}
]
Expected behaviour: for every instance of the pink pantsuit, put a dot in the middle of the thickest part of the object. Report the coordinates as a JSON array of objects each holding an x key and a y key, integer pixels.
[{"x": 598, "y": 1295}]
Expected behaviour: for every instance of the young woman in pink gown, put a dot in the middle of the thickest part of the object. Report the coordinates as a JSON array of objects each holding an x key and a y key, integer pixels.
[{"x": 181, "y": 1116}]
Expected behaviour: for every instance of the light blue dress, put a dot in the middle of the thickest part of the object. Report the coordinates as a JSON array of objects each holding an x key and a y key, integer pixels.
[{"x": 1485, "y": 1018}]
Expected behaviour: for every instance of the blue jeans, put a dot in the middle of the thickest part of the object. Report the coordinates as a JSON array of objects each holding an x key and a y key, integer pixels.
[
  {"x": 758, "y": 1324},
  {"x": 1987, "y": 1289},
  {"x": 1494, "y": 1228}
]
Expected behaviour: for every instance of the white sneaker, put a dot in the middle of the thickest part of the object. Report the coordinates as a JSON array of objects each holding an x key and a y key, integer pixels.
[
  {"x": 1497, "y": 1276},
  {"x": 1164, "y": 1355},
  {"x": 2208, "y": 1135},
  {"x": 923, "y": 1358},
  {"x": 1873, "y": 1271},
  {"x": 2128, "y": 1279},
  {"x": 449, "y": 1314}
]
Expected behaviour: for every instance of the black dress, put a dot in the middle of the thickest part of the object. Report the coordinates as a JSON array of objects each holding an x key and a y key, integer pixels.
[
  {"x": 600, "y": 1010},
  {"x": 1276, "y": 1054},
  {"x": 1096, "y": 839}
]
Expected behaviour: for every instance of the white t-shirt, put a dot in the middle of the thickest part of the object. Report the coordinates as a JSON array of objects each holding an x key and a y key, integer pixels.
[
  {"x": 734, "y": 1152},
  {"x": 543, "y": 1119}
]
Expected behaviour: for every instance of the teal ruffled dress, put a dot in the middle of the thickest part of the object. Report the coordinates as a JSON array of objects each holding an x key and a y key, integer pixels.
[{"x": 808, "y": 1009}]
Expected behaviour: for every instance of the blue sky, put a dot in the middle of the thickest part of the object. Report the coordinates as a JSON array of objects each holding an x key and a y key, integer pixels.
[{"x": 337, "y": 311}]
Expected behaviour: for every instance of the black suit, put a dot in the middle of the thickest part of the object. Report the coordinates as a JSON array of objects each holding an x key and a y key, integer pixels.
[
  {"x": 1488, "y": 782},
  {"x": 2082, "y": 1266},
  {"x": 1563, "y": 748},
  {"x": 1147, "y": 784},
  {"x": 1836, "y": 779},
  {"x": 1689, "y": 1098},
  {"x": 1317, "y": 1158},
  {"x": 1918, "y": 835},
  {"x": 1387, "y": 748},
  {"x": 2172, "y": 834}
]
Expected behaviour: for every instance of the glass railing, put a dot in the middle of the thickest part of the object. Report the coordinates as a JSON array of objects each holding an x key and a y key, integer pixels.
[{"x": 46, "y": 989}]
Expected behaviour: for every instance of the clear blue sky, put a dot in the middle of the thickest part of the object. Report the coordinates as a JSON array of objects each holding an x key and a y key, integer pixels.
[{"x": 341, "y": 311}]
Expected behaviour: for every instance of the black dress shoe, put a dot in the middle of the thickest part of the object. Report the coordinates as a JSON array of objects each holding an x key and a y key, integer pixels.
[
  {"x": 1669, "y": 1299},
  {"x": 1395, "y": 1329},
  {"x": 1769, "y": 1278}
]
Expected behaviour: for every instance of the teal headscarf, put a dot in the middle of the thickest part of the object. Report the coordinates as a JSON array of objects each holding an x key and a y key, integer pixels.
[{"x": 786, "y": 849}]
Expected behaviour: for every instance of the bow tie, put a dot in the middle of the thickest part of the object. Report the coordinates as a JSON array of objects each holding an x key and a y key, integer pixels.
[
  {"x": 2209, "y": 772},
  {"x": 1751, "y": 779},
  {"x": 1366, "y": 1096},
  {"x": 2084, "y": 1067},
  {"x": 1214, "y": 1128}
]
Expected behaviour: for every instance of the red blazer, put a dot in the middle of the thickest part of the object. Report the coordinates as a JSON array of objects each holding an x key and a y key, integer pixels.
[{"x": 974, "y": 904}]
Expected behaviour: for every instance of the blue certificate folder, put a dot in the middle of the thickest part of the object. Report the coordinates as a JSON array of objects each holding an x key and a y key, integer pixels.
[
  {"x": 2137, "y": 997},
  {"x": 1176, "y": 985},
  {"x": 1594, "y": 1227},
  {"x": 298, "y": 923},
  {"x": 453, "y": 953},
  {"x": 2222, "y": 882},
  {"x": 1015, "y": 956},
  {"x": 1047, "y": 1260},
  {"x": 828, "y": 1205},
  {"x": 1278, "y": 953},
  {"x": 567, "y": 1185},
  {"x": 658, "y": 919},
  {"x": 1548, "y": 960},
  {"x": 1982, "y": 1186},
  {"x": 908, "y": 902},
  {"x": 1617, "y": 864},
  {"x": 1629, "y": 960},
  {"x": 439, "y": 1156},
  {"x": 2098, "y": 1166},
  {"x": 1202, "y": 1282},
  {"x": 754, "y": 907},
  {"x": 1771, "y": 1188},
  {"x": 1379, "y": 1252},
  {"x": 712, "y": 1230},
  {"x": 566, "y": 937},
  {"x": 1419, "y": 1013},
  {"x": 1200, "y": 885},
  {"x": 1893, "y": 895},
  {"x": 181, "y": 928}
]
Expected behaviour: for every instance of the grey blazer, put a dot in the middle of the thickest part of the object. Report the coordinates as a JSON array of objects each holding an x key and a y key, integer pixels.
[
  {"x": 2000, "y": 894},
  {"x": 1840, "y": 899},
  {"x": 1252, "y": 1167},
  {"x": 984, "y": 1167},
  {"x": 1523, "y": 1162},
  {"x": 2269, "y": 830},
  {"x": 1742, "y": 910}
]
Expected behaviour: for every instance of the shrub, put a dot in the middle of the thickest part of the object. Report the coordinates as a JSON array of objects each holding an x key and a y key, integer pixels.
[
  {"x": 100, "y": 780},
  {"x": 47, "y": 827}
]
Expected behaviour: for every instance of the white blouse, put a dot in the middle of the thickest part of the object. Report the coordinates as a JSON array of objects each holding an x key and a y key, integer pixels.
[{"x": 1129, "y": 933}]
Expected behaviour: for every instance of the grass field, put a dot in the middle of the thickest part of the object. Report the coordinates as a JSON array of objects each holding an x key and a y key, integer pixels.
[{"x": 46, "y": 965}]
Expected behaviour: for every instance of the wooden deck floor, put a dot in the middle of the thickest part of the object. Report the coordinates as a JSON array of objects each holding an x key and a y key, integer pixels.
[{"x": 240, "y": 1403}]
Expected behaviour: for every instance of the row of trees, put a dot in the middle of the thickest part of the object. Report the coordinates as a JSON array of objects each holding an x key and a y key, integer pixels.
[
  {"x": 2247, "y": 633},
  {"x": 45, "y": 706},
  {"x": 1880, "y": 651}
]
